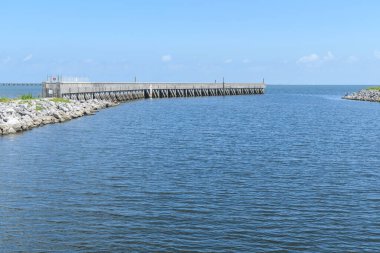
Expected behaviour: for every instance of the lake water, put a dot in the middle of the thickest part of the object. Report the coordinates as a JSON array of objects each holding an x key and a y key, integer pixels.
[
  {"x": 294, "y": 170},
  {"x": 16, "y": 91}
]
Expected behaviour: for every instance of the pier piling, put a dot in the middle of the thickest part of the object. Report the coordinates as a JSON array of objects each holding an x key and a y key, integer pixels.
[{"x": 132, "y": 91}]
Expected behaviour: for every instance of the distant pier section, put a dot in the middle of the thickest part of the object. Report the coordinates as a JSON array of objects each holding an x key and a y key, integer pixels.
[
  {"x": 124, "y": 91},
  {"x": 20, "y": 84}
]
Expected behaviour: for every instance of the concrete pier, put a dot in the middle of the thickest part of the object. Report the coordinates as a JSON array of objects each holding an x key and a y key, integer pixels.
[{"x": 131, "y": 91}]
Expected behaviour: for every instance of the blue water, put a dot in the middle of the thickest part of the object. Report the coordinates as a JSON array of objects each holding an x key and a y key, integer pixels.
[
  {"x": 17, "y": 91},
  {"x": 294, "y": 170}
]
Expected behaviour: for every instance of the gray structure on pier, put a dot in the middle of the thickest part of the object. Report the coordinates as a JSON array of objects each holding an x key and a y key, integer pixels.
[{"x": 129, "y": 91}]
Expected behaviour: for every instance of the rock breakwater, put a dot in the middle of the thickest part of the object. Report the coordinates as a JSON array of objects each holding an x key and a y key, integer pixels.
[
  {"x": 370, "y": 95},
  {"x": 21, "y": 115}
]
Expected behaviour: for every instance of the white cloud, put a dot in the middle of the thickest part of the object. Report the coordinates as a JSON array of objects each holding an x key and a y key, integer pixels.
[
  {"x": 27, "y": 58},
  {"x": 309, "y": 58},
  {"x": 377, "y": 54},
  {"x": 315, "y": 58},
  {"x": 352, "y": 59},
  {"x": 166, "y": 58},
  {"x": 6, "y": 60},
  {"x": 228, "y": 61},
  {"x": 88, "y": 61},
  {"x": 246, "y": 61},
  {"x": 329, "y": 56}
]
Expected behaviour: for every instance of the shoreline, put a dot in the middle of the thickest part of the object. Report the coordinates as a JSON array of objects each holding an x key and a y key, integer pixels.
[
  {"x": 21, "y": 115},
  {"x": 369, "y": 95}
]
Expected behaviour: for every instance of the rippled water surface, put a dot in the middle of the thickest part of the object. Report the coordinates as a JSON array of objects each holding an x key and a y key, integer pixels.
[
  {"x": 297, "y": 169},
  {"x": 18, "y": 90}
]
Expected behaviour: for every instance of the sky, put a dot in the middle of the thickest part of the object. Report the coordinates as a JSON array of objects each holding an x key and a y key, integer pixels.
[{"x": 285, "y": 42}]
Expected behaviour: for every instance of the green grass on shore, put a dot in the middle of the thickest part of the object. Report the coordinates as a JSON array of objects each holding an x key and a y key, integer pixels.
[
  {"x": 5, "y": 100},
  {"x": 60, "y": 100},
  {"x": 39, "y": 108},
  {"x": 377, "y": 88},
  {"x": 22, "y": 99},
  {"x": 26, "y": 97}
]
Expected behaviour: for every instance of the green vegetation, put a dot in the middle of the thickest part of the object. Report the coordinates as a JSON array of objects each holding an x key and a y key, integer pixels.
[
  {"x": 23, "y": 102},
  {"x": 26, "y": 97},
  {"x": 23, "y": 99},
  {"x": 377, "y": 88},
  {"x": 60, "y": 100},
  {"x": 5, "y": 100},
  {"x": 39, "y": 108}
]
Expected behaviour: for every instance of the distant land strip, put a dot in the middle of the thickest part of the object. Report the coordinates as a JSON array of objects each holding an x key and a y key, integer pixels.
[{"x": 371, "y": 94}]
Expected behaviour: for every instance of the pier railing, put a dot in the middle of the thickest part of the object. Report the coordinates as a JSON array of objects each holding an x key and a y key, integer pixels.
[{"x": 107, "y": 90}]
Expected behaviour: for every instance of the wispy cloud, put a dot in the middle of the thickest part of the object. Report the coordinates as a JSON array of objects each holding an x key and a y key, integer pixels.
[
  {"x": 309, "y": 58},
  {"x": 329, "y": 56},
  {"x": 166, "y": 58},
  {"x": 377, "y": 54},
  {"x": 6, "y": 60},
  {"x": 27, "y": 58},
  {"x": 315, "y": 58},
  {"x": 352, "y": 59},
  {"x": 246, "y": 61},
  {"x": 228, "y": 61},
  {"x": 88, "y": 61}
]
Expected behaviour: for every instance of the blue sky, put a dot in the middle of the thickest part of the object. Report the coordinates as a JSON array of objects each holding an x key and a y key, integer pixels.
[{"x": 287, "y": 42}]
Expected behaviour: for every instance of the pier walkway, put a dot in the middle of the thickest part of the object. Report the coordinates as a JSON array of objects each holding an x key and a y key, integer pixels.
[{"x": 131, "y": 91}]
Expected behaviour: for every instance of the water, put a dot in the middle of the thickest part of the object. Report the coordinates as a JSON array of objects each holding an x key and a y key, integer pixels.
[
  {"x": 294, "y": 170},
  {"x": 16, "y": 91}
]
